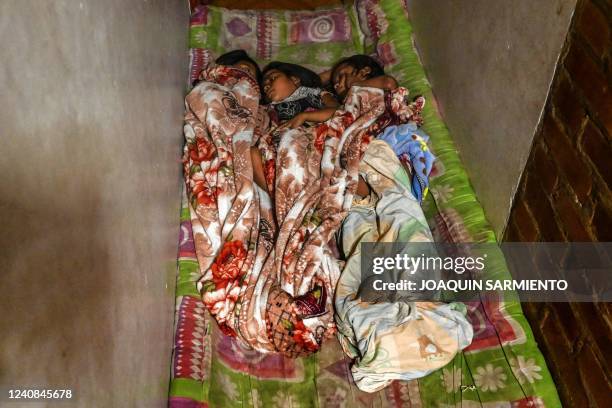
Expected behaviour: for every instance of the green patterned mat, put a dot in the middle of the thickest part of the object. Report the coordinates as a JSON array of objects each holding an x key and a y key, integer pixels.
[{"x": 502, "y": 368}]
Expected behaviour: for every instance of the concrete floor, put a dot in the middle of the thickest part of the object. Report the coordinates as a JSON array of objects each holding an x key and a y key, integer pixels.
[{"x": 91, "y": 107}]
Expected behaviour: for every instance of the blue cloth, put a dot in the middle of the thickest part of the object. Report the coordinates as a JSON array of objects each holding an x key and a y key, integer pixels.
[{"x": 410, "y": 142}]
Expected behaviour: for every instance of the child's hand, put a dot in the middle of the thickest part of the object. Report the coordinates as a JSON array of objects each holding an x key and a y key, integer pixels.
[
  {"x": 296, "y": 122},
  {"x": 325, "y": 76}
]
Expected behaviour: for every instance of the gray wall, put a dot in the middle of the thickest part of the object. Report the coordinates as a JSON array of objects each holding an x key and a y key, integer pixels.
[
  {"x": 490, "y": 63},
  {"x": 91, "y": 102}
]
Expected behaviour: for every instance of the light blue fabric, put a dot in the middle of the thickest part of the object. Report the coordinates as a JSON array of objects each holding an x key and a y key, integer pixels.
[{"x": 410, "y": 142}]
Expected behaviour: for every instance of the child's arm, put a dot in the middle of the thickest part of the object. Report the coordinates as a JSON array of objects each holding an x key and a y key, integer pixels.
[
  {"x": 329, "y": 101},
  {"x": 259, "y": 177},
  {"x": 258, "y": 169},
  {"x": 325, "y": 77},
  {"x": 320, "y": 115},
  {"x": 330, "y": 105},
  {"x": 385, "y": 82},
  {"x": 363, "y": 188}
]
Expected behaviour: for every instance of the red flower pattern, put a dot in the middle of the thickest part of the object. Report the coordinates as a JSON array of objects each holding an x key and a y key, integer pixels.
[
  {"x": 320, "y": 136},
  {"x": 204, "y": 193},
  {"x": 270, "y": 172},
  {"x": 303, "y": 336},
  {"x": 227, "y": 265},
  {"x": 201, "y": 150}
]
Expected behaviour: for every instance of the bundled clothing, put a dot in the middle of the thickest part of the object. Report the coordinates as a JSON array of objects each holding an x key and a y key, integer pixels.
[
  {"x": 271, "y": 287},
  {"x": 400, "y": 340},
  {"x": 409, "y": 143},
  {"x": 268, "y": 276}
]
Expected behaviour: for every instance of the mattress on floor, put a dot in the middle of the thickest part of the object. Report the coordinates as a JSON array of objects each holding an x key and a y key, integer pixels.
[{"x": 501, "y": 368}]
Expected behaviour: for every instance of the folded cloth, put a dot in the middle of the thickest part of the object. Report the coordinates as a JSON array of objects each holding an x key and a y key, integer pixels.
[{"x": 410, "y": 142}]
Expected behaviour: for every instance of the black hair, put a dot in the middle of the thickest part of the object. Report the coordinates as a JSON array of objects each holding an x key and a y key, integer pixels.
[
  {"x": 307, "y": 77},
  {"x": 359, "y": 62},
  {"x": 234, "y": 57}
]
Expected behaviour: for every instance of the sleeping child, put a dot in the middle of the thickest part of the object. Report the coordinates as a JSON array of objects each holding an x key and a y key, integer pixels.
[
  {"x": 359, "y": 70},
  {"x": 364, "y": 71},
  {"x": 296, "y": 95},
  {"x": 241, "y": 60}
]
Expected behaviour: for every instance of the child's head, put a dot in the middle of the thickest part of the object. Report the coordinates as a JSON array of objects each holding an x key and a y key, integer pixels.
[
  {"x": 349, "y": 70},
  {"x": 240, "y": 59},
  {"x": 281, "y": 79}
]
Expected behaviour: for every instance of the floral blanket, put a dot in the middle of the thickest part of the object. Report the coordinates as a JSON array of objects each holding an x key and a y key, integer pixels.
[{"x": 268, "y": 274}]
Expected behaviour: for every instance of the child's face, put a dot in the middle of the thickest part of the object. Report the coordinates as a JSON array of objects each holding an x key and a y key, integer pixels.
[
  {"x": 345, "y": 76},
  {"x": 278, "y": 86},
  {"x": 248, "y": 67}
]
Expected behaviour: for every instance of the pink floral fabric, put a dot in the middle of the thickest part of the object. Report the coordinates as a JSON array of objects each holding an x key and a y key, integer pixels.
[{"x": 272, "y": 287}]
